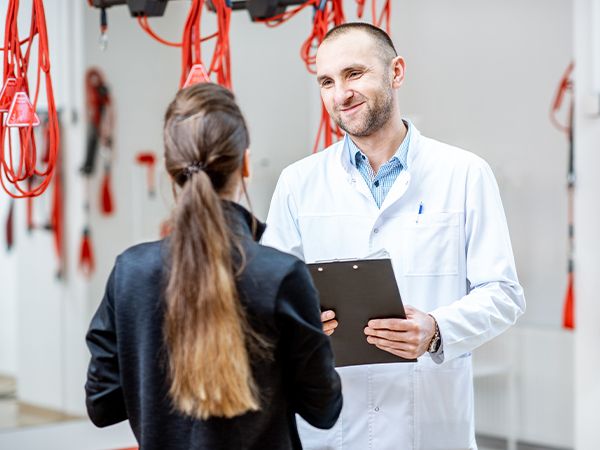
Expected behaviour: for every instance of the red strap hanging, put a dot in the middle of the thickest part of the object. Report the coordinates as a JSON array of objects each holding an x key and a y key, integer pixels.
[
  {"x": 57, "y": 219},
  {"x": 9, "y": 89},
  {"x": 86, "y": 254},
  {"x": 565, "y": 88},
  {"x": 10, "y": 237},
  {"x": 385, "y": 14},
  {"x": 329, "y": 14},
  {"x": 197, "y": 75},
  {"x": 86, "y": 249},
  {"x": 191, "y": 45},
  {"x": 106, "y": 199},
  {"x": 29, "y": 209},
  {"x": 569, "y": 307},
  {"x": 21, "y": 112},
  {"x": 148, "y": 159},
  {"x": 100, "y": 134},
  {"x": 193, "y": 69}
]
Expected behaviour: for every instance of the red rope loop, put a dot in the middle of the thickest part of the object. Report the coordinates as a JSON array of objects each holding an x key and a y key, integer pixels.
[{"x": 19, "y": 163}]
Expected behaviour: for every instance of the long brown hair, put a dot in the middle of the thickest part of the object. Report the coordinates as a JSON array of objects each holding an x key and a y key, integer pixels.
[{"x": 206, "y": 331}]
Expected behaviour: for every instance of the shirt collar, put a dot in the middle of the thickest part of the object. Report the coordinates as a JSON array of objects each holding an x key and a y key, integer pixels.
[{"x": 401, "y": 154}]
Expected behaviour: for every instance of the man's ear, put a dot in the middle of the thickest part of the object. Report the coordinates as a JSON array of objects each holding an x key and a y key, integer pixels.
[
  {"x": 246, "y": 164},
  {"x": 398, "y": 66}
]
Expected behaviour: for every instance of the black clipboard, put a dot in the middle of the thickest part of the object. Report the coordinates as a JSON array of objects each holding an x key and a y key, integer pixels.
[{"x": 358, "y": 290}]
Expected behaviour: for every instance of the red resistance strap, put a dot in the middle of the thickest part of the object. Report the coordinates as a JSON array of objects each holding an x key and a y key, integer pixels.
[
  {"x": 100, "y": 115},
  {"x": 10, "y": 236},
  {"x": 148, "y": 159},
  {"x": 192, "y": 39},
  {"x": 565, "y": 88},
  {"x": 377, "y": 19},
  {"x": 87, "y": 262},
  {"x": 56, "y": 219},
  {"x": 18, "y": 111},
  {"x": 327, "y": 13}
]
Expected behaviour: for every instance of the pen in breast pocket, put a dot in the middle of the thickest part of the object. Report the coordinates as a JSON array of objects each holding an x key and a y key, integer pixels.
[{"x": 419, "y": 212}]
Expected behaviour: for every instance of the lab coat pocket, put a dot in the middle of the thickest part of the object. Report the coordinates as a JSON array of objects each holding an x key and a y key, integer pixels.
[
  {"x": 316, "y": 439},
  {"x": 444, "y": 412},
  {"x": 430, "y": 244}
]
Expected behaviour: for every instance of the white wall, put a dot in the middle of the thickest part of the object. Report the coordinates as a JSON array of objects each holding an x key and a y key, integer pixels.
[
  {"x": 587, "y": 223},
  {"x": 8, "y": 300}
]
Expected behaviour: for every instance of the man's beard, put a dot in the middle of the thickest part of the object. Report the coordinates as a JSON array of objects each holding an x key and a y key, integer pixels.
[{"x": 375, "y": 118}]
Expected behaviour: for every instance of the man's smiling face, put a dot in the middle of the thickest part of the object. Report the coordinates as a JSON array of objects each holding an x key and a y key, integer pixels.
[{"x": 355, "y": 83}]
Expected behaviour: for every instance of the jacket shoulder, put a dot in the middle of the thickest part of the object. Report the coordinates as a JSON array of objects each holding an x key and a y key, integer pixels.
[
  {"x": 303, "y": 168},
  {"x": 450, "y": 155},
  {"x": 268, "y": 260},
  {"x": 142, "y": 261}
]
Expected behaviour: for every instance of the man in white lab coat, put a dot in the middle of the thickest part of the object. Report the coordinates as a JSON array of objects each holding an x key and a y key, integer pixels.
[{"x": 437, "y": 211}]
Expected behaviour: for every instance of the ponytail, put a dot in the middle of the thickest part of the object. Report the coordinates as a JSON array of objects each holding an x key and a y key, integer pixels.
[{"x": 205, "y": 324}]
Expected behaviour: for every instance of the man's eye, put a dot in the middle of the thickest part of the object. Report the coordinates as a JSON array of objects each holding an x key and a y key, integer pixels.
[
  {"x": 326, "y": 83},
  {"x": 354, "y": 74}
]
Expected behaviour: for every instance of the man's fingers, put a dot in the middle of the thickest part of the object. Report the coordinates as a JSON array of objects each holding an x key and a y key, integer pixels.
[
  {"x": 407, "y": 337},
  {"x": 330, "y": 326},
  {"x": 398, "y": 336},
  {"x": 406, "y": 354},
  {"x": 327, "y": 315},
  {"x": 380, "y": 342},
  {"x": 392, "y": 324}
]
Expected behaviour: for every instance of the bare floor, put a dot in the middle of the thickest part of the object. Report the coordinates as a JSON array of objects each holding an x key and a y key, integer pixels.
[{"x": 14, "y": 414}]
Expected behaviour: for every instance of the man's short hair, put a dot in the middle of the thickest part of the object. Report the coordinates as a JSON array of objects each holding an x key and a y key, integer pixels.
[{"x": 382, "y": 39}]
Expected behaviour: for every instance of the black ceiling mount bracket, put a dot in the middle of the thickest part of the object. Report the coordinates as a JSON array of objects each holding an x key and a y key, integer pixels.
[
  {"x": 258, "y": 9},
  {"x": 148, "y": 8}
]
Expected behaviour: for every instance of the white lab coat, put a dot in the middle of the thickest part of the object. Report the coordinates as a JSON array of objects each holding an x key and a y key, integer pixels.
[{"x": 454, "y": 261}]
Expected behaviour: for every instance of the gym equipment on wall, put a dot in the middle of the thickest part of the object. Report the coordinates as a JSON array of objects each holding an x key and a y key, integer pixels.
[{"x": 18, "y": 153}]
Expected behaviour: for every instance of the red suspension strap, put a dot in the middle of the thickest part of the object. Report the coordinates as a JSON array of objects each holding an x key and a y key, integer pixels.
[
  {"x": 191, "y": 49},
  {"x": 376, "y": 19},
  {"x": 9, "y": 226},
  {"x": 100, "y": 134},
  {"x": 565, "y": 89},
  {"x": 56, "y": 219},
  {"x": 193, "y": 69},
  {"x": 19, "y": 163},
  {"x": 385, "y": 14},
  {"x": 329, "y": 14},
  {"x": 148, "y": 159}
]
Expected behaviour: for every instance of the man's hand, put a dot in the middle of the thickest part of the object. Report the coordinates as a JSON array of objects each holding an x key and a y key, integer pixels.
[
  {"x": 329, "y": 322},
  {"x": 408, "y": 338}
]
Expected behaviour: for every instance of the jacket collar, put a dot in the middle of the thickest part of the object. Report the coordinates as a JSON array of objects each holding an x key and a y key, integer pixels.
[{"x": 242, "y": 220}]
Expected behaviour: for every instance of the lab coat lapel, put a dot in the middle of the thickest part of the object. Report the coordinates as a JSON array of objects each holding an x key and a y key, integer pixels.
[{"x": 352, "y": 175}]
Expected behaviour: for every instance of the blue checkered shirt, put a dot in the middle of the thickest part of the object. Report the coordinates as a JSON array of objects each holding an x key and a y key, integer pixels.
[{"x": 381, "y": 182}]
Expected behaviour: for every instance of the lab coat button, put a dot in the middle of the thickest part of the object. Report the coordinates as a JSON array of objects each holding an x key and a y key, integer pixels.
[
  {"x": 376, "y": 408},
  {"x": 376, "y": 230}
]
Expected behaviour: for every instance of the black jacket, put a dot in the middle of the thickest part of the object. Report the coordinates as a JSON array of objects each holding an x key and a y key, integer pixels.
[{"x": 127, "y": 372}]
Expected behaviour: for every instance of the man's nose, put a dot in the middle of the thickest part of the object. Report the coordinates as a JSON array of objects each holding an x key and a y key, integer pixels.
[{"x": 342, "y": 95}]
